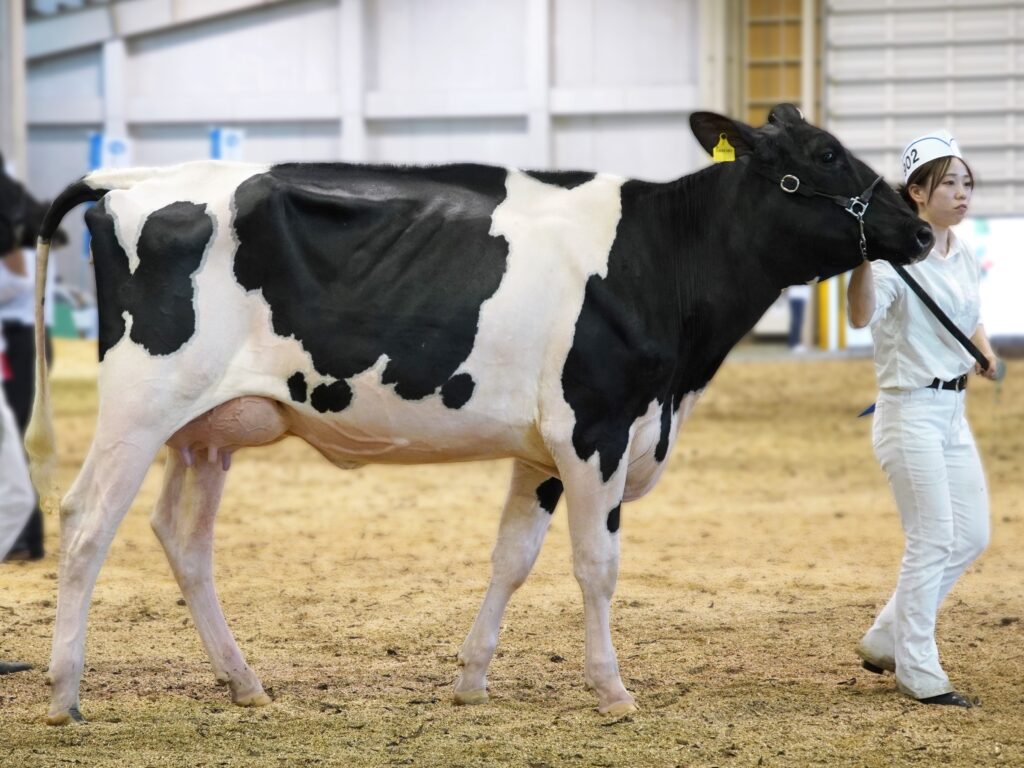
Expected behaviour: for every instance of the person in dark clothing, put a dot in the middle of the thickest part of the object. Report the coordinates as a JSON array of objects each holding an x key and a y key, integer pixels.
[{"x": 17, "y": 314}]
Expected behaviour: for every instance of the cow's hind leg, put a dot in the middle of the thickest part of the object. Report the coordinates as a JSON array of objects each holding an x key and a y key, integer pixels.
[
  {"x": 90, "y": 515},
  {"x": 183, "y": 521},
  {"x": 531, "y": 501}
]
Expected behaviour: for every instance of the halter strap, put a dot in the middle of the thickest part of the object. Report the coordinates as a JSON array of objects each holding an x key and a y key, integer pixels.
[
  {"x": 791, "y": 184},
  {"x": 856, "y": 206}
]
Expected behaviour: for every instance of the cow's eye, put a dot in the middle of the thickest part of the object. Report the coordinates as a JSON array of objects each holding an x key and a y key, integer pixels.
[{"x": 828, "y": 156}]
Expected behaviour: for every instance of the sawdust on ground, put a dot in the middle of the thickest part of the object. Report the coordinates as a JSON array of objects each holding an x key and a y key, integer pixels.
[{"x": 747, "y": 576}]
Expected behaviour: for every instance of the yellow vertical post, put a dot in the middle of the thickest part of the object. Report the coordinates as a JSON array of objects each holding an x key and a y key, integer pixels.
[
  {"x": 824, "y": 310},
  {"x": 841, "y": 319}
]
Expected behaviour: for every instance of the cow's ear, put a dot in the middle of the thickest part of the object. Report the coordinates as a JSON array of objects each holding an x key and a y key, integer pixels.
[{"x": 708, "y": 127}]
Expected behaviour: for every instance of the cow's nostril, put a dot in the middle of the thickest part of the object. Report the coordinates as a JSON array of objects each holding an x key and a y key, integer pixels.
[{"x": 925, "y": 238}]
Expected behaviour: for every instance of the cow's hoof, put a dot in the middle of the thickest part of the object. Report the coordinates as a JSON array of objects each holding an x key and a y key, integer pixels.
[
  {"x": 467, "y": 698},
  {"x": 619, "y": 708},
  {"x": 258, "y": 699},
  {"x": 72, "y": 715}
]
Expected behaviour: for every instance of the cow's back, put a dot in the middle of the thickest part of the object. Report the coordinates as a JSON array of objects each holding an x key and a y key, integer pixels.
[{"x": 410, "y": 308}]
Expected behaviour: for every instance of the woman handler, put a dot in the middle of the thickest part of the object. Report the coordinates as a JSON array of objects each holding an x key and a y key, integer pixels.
[{"x": 921, "y": 436}]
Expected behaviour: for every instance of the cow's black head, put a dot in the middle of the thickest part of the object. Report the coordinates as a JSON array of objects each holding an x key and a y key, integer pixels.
[
  {"x": 793, "y": 171},
  {"x": 21, "y": 216},
  {"x": 12, "y": 211}
]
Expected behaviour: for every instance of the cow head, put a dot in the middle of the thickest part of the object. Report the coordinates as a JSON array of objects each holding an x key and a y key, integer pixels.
[
  {"x": 21, "y": 216},
  {"x": 12, "y": 211},
  {"x": 812, "y": 191}
]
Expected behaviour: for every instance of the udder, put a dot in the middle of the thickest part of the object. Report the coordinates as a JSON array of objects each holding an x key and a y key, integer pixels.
[{"x": 238, "y": 423}]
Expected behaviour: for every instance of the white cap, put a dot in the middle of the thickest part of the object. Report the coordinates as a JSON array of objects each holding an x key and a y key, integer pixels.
[{"x": 926, "y": 148}]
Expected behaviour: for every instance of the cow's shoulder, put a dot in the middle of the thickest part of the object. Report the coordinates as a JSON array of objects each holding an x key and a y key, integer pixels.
[{"x": 625, "y": 348}]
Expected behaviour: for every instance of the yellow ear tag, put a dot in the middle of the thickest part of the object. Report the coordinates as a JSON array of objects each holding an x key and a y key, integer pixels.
[{"x": 723, "y": 151}]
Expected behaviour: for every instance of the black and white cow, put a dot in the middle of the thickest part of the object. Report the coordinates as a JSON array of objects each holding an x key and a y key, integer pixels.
[{"x": 568, "y": 320}]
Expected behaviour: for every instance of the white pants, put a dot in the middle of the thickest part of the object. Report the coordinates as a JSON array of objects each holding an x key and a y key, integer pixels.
[
  {"x": 16, "y": 498},
  {"x": 924, "y": 444}
]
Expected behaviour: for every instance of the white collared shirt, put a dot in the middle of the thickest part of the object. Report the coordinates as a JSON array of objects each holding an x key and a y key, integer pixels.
[
  {"x": 911, "y": 346},
  {"x": 18, "y": 292}
]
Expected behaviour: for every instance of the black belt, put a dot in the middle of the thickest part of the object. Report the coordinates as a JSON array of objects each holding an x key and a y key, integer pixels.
[{"x": 957, "y": 385}]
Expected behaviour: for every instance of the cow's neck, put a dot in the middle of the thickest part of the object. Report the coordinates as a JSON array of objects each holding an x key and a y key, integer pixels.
[{"x": 718, "y": 254}]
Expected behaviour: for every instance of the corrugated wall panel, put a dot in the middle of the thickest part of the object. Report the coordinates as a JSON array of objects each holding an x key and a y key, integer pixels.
[
  {"x": 650, "y": 147},
  {"x": 289, "y": 49},
  {"x": 445, "y": 45},
  {"x": 499, "y": 141},
  {"x": 899, "y": 68}
]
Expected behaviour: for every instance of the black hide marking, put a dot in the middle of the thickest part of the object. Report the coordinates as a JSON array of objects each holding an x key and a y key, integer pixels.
[
  {"x": 613, "y": 519},
  {"x": 457, "y": 390},
  {"x": 362, "y": 261},
  {"x": 548, "y": 494},
  {"x": 660, "y": 323},
  {"x": 297, "y": 387},
  {"x": 160, "y": 294},
  {"x": 566, "y": 179},
  {"x": 623, "y": 349},
  {"x": 666, "y": 427},
  {"x": 331, "y": 397}
]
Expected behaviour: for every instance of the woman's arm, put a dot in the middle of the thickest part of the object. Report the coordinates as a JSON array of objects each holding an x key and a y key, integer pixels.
[
  {"x": 15, "y": 262},
  {"x": 980, "y": 339},
  {"x": 860, "y": 295}
]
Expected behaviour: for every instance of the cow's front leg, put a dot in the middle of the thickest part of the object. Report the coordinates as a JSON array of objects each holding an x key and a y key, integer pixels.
[
  {"x": 183, "y": 520},
  {"x": 90, "y": 515},
  {"x": 525, "y": 519},
  {"x": 594, "y": 512}
]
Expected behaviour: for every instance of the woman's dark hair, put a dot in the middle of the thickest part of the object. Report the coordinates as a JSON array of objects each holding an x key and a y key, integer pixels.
[{"x": 929, "y": 176}]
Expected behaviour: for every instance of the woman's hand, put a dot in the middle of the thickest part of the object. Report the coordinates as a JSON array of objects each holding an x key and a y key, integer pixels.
[
  {"x": 980, "y": 339},
  {"x": 993, "y": 366}
]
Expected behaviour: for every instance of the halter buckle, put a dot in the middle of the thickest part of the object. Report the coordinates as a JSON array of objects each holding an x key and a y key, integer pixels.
[
  {"x": 794, "y": 182},
  {"x": 857, "y": 207}
]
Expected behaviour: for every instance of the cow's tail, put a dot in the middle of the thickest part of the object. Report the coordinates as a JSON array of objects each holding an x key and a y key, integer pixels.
[{"x": 39, "y": 437}]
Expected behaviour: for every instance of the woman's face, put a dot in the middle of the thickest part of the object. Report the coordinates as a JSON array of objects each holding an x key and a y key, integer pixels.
[{"x": 949, "y": 202}]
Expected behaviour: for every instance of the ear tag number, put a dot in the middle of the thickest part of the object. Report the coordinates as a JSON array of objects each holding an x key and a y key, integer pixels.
[{"x": 723, "y": 151}]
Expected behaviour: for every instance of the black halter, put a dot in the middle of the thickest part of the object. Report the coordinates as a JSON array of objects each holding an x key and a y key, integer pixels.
[{"x": 856, "y": 206}]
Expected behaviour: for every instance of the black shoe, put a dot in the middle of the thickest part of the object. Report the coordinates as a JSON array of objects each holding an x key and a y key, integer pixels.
[
  {"x": 951, "y": 699},
  {"x": 21, "y": 554},
  {"x": 6, "y": 667},
  {"x": 873, "y": 668}
]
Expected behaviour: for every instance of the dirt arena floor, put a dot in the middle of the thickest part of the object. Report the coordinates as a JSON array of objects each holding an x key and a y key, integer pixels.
[{"x": 747, "y": 577}]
